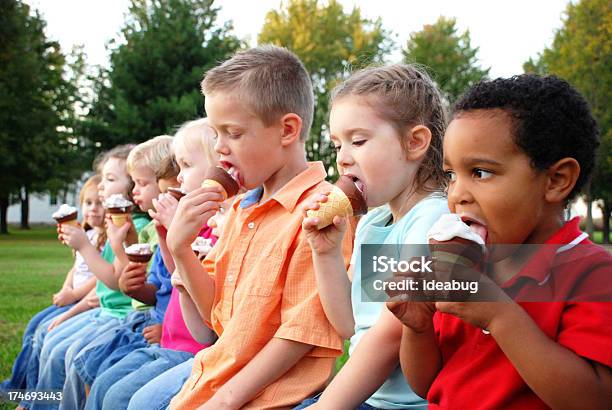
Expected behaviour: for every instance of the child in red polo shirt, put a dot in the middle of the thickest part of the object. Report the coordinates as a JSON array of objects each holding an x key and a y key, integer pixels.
[{"x": 516, "y": 152}]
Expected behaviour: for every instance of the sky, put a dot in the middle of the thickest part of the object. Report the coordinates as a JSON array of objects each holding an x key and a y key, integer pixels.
[{"x": 507, "y": 32}]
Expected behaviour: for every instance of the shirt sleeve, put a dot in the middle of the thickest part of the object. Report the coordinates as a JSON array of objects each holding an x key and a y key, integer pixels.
[
  {"x": 157, "y": 269},
  {"x": 586, "y": 326},
  {"x": 302, "y": 317}
]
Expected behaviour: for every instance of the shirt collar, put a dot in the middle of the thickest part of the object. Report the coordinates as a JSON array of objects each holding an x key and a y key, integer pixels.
[
  {"x": 538, "y": 267},
  {"x": 289, "y": 195}
]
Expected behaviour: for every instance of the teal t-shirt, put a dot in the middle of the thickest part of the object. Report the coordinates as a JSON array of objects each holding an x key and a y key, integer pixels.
[
  {"x": 375, "y": 228},
  {"x": 113, "y": 302}
]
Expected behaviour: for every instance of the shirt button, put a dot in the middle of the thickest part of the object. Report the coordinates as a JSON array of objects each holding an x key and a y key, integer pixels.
[
  {"x": 230, "y": 278},
  {"x": 251, "y": 225}
]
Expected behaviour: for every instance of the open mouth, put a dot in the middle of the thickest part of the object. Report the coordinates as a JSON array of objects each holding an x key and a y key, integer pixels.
[
  {"x": 233, "y": 172},
  {"x": 477, "y": 227},
  {"x": 359, "y": 185}
]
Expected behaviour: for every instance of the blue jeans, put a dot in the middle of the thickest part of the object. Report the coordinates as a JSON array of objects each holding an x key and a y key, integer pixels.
[
  {"x": 157, "y": 394},
  {"x": 85, "y": 357},
  {"x": 114, "y": 388},
  {"x": 40, "y": 320},
  {"x": 54, "y": 358},
  {"x": 309, "y": 402},
  {"x": 41, "y": 335}
]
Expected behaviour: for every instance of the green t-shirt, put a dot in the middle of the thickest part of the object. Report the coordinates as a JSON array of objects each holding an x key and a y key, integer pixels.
[
  {"x": 148, "y": 234},
  {"x": 113, "y": 302}
]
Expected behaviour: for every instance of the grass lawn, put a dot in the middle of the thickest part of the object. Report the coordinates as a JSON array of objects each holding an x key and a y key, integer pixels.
[{"x": 33, "y": 265}]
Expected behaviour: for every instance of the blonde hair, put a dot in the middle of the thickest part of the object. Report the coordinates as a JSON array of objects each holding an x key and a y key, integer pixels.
[
  {"x": 197, "y": 134},
  {"x": 155, "y": 154},
  {"x": 272, "y": 80},
  {"x": 92, "y": 182},
  {"x": 406, "y": 96}
]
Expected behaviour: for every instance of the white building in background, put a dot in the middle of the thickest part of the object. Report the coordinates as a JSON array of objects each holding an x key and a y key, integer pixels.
[{"x": 42, "y": 206}]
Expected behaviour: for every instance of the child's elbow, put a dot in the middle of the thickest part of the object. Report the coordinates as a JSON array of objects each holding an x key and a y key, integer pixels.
[{"x": 346, "y": 332}]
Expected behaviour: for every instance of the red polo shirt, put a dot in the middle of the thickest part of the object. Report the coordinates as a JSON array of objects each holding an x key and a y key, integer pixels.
[{"x": 475, "y": 372}]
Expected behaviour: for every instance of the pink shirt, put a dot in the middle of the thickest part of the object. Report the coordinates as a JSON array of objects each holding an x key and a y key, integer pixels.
[{"x": 175, "y": 334}]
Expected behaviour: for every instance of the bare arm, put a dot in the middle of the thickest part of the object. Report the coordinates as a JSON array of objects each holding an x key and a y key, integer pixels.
[
  {"x": 349, "y": 389},
  {"x": 197, "y": 281},
  {"x": 166, "y": 256},
  {"x": 335, "y": 291},
  {"x": 85, "y": 288},
  {"x": 68, "y": 281},
  {"x": 103, "y": 270},
  {"x": 199, "y": 331},
  {"x": 274, "y": 360}
]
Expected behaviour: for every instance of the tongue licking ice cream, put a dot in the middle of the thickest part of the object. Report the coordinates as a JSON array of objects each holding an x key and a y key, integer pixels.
[
  {"x": 345, "y": 199},
  {"x": 217, "y": 176},
  {"x": 139, "y": 252},
  {"x": 118, "y": 207},
  {"x": 66, "y": 214},
  {"x": 452, "y": 241}
]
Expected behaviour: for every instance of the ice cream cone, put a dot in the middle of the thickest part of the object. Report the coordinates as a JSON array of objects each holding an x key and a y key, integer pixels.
[
  {"x": 119, "y": 219},
  {"x": 343, "y": 200},
  {"x": 216, "y": 176}
]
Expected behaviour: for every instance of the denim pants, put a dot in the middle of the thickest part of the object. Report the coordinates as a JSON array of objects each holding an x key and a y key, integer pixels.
[
  {"x": 157, "y": 394},
  {"x": 85, "y": 357},
  {"x": 309, "y": 402},
  {"x": 54, "y": 358},
  {"x": 114, "y": 388},
  {"x": 41, "y": 321}
]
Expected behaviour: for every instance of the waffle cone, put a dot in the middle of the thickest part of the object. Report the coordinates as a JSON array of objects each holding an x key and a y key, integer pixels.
[
  {"x": 72, "y": 222},
  {"x": 337, "y": 204},
  {"x": 213, "y": 183},
  {"x": 119, "y": 219}
]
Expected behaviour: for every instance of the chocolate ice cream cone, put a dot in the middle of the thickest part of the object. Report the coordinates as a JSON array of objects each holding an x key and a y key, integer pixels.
[
  {"x": 216, "y": 176},
  {"x": 343, "y": 200}
]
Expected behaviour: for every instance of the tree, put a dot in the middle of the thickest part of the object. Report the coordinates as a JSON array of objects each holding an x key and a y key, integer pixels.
[
  {"x": 581, "y": 53},
  {"x": 36, "y": 109},
  {"x": 330, "y": 43},
  {"x": 156, "y": 67},
  {"x": 447, "y": 55}
]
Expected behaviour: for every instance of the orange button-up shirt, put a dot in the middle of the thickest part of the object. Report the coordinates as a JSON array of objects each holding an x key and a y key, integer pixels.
[{"x": 265, "y": 287}]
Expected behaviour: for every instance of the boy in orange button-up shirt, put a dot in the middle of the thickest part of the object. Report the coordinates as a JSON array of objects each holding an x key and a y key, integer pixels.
[{"x": 257, "y": 287}]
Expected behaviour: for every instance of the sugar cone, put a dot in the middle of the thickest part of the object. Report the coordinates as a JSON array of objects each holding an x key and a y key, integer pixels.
[
  {"x": 213, "y": 183},
  {"x": 72, "y": 222},
  {"x": 337, "y": 204},
  {"x": 119, "y": 219}
]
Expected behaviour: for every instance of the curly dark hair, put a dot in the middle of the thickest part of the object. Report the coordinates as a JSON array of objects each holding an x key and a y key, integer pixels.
[{"x": 551, "y": 120}]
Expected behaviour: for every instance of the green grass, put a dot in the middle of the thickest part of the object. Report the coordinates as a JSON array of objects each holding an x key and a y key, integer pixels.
[{"x": 33, "y": 265}]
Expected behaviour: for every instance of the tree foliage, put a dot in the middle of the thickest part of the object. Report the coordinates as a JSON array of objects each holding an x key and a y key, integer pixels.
[
  {"x": 156, "y": 67},
  {"x": 581, "y": 53},
  {"x": 448, "y": 56},
  {"x": 37, "y": 146},
  {"x": 331, "y": 43}
]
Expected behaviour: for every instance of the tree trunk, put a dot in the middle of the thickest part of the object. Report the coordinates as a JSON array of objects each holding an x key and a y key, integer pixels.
[
  {"x": 25, "y": 209},
  {"x": 589, "y": 218},
  {"x": 4, "y": 204},
  {"x": 607, "y": 210}
]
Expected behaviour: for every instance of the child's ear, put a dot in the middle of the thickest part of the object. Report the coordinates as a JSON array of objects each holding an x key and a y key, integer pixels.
[
  {"x": 291, "y": 128},
  {"x": 417, "y": 141},
  {"x": 562, "y": 177}
]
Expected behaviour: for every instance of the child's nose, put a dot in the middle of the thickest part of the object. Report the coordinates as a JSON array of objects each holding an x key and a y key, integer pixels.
[
  {"x": 221, "y": 147},
  {"x": 344, "y": 158},
  {"x": 459, "y": 193}
]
